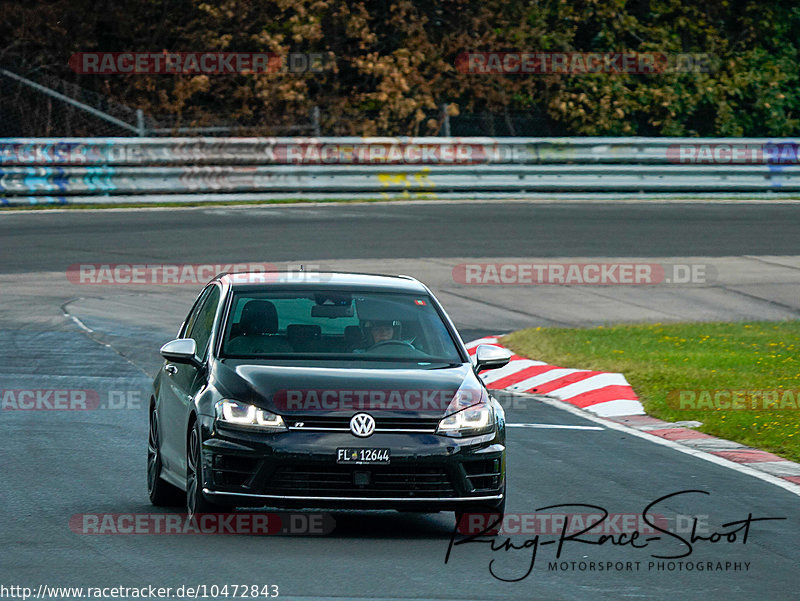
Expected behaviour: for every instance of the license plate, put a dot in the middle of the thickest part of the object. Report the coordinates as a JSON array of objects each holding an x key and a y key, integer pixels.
[{"x": 363, "y": 456}]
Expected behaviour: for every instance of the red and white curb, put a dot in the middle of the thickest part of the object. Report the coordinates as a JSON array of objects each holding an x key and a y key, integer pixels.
[
  {"x": 604, "y": 394},
  {"x": 610, "y": 397},
  {"x": 719, "y": 447}
]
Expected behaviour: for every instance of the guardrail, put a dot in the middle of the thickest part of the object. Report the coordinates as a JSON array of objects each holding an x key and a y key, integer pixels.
[{"x": 72, "y": 170}]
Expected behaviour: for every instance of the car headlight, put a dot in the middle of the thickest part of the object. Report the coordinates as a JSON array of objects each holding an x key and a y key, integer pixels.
[
  {"x": 470, "y": 414},
  {"x": 241, "y": 414},
  {"x": 472, "y": 421}
]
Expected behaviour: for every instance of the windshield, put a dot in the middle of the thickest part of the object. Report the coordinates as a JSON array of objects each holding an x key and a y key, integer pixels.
[{"x": 324, "y": 324}]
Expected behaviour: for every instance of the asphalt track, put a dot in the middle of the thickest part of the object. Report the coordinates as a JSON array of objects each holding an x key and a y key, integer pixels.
[
  {"x": 58, "y": 335},
  {"x": 399, "y": 230}
]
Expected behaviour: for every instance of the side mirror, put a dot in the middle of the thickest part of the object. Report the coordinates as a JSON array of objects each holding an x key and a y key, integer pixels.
[
  {"x": 491, "y": 357},
  {"x": 181, "y": 350}
]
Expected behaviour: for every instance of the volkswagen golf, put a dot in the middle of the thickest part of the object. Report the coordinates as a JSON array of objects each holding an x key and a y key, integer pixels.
[{"x": 324, "y": 390}]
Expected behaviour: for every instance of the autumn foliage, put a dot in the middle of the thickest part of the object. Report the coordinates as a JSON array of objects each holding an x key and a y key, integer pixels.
[{"x": 391, "y": 66}]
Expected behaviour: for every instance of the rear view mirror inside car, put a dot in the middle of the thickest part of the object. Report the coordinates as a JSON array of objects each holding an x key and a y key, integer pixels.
[
  {"x": 332, "y": 305},
  {"x": 332, "y": 311}
]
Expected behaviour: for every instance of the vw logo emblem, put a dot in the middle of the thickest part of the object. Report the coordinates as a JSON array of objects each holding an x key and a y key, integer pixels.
[{"x": 362, "y": 424}]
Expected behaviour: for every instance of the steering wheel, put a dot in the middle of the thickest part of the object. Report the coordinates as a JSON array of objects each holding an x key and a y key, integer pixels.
[{"x": 391, "y": 342}]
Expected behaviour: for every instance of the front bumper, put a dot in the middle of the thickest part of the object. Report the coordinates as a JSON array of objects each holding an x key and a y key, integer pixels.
[{"x": 298, "y": 469}]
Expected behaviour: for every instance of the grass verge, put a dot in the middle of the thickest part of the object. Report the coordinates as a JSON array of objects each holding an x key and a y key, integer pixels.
[{"x": 660, "y": 360}]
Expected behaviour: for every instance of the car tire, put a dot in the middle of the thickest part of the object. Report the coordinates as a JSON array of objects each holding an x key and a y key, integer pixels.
[
  {"x": 161, "y": 492},
  {"x": 196, "y": 502}
]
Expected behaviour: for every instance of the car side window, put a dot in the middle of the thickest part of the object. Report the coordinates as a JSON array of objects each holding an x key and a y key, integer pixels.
[
  {"x": 202, "y": 322},
  {"x": 192, "y": 317}
]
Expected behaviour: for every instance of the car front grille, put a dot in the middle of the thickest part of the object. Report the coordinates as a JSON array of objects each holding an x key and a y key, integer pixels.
[
  {"x": 374, "y": 481},
  {"x": 382, "y": 424}
]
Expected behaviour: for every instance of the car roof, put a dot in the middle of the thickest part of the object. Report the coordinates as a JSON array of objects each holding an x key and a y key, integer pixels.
[{"x": 320, "y": 279}]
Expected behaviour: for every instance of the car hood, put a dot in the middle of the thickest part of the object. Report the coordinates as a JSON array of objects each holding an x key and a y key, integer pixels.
[{"x": 328, "y": 392}]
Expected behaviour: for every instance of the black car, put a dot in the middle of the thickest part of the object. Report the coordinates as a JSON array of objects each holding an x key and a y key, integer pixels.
[{"x": 324, "y": 390}]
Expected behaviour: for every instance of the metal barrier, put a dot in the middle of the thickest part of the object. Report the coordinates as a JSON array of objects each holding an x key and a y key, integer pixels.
[{"x": 66, "y": 170}]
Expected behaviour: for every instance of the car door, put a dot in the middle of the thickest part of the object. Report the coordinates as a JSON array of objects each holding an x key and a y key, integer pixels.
[{"x": 183, "y": 381}]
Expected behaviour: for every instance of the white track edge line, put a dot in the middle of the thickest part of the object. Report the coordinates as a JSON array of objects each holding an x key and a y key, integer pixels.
[
  {"x": 79, "y": 323},
  {"x": 554, "y": 427}
]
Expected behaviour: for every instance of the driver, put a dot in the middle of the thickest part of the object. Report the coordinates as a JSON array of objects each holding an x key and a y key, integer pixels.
[{"x": 381, "y": 331}]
